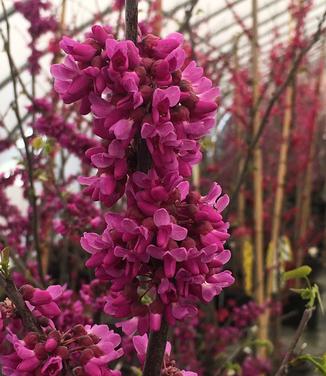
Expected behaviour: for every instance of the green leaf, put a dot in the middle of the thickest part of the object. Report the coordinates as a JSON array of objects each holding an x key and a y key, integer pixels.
[
  {"x": 37, "y": 143},
  {"x": 311, "y": 294},
  {"x": 318, "y": 362},
  {"x": 301, "y": 272},
  {"x": 262, "y": 343},
  {"x": 5, "y": 252}
]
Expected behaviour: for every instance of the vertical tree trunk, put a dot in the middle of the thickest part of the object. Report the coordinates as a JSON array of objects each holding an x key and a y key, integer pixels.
[
  {"x": 258, "y": 180},
  {"x": 278, "y": 201},
  {"x": 305, "y": 203},
  {"x": 240, "y": 137}
]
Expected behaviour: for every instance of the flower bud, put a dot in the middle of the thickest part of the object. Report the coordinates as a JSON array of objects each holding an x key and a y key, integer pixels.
[
  {"x": 27, "y": 292},
  {"x": 86, "y": 355},
  {"x": 31, "y": 339},
  {"x": 40, "y": 297},
  {"x": 95, "y": 338},
  {"x": 50, "y": 345},
  {"x": 188, "y": 243},
  {"x": 147, "y": 63},
  {"x": 55, "y": 334},
  {"x": 85, "y": 340},
  {"x": 205, "y": 227},
  {"x": 147, "y": 93},
  {"x": 79, "y": 330},
  {"x": 63, "y": 352},
  {"x": 180, "y": 113},
  {"x": 40, "y": 351},
  {"x": 97, "y": 351}
]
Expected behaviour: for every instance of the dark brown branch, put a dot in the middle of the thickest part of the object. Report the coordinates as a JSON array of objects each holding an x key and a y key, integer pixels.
[
  {"x": 144, "y": 161},
  {"x": 25, "y": 314},
  {"x": 157, "y": 340},
  {"x": 188, "y": 14},
  {"x": 131, "y": 17},
  {"x": 303, "y": 323},
  {"x": 156, "y": 350}
]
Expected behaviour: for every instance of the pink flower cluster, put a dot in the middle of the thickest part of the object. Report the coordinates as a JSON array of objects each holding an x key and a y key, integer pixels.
[
  {"x": 164, "y": 255},
  {"x": 55, "y": 126},
  {"x": 40, "y": 24},
  {"x": 14, "y": 225},
  {"x": 246, "y": 314},
  {"x": 86, "y": 350},
  {"x": 166, "y": 252},
  {"x": 136, "y": 92}
]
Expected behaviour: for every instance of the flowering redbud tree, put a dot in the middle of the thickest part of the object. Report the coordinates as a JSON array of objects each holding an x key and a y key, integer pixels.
[
  {"x": 161, "y": 255},
  {"x": 164, "y": 254}
]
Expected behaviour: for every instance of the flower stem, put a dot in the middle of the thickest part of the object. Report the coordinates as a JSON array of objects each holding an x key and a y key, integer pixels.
[
  {"x": 156, "y": 350},
  {"x": 131, "y": 17},
  {"x": 157, "y": 340},
  {"x": 29, "y": 321}
]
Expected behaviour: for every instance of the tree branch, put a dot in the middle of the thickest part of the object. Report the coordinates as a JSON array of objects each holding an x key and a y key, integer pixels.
[
  {"x": 303, "y": 323},
  {"x": 25, "y": 314},
  {"x": 157, "y": 340},
  {"x": 155, "y": 350},
  {"x": 29, "y": 159}
]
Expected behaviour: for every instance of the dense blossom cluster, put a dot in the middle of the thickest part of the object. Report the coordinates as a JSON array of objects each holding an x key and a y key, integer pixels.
[
  {"x": 52, "y": 125},
  {"x": 136, "y": 92},
  {"x": 41, "y": 22},
  {"x": 139, "y": 110},
  {"x": 156, "y": 265},
  {"x": 166, "y": 252},
  {"x": 52, "y": 349}
]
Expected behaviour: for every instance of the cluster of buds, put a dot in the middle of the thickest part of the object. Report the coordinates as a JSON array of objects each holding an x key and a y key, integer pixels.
[
  {"x": 53, "y": 348},
  {"x": 86, "y": 350}
]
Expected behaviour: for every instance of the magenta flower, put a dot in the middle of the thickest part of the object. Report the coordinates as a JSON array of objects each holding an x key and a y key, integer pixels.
[
  {"x": 81, "y": 52},
  {"x": 52, "y": 367},
  {"x": 70, "y": 82},
  {"x": 169, "y": 257},
  {"x": 165, "y": 253},
  {"x": 162, "y": 101},
  {"x": 167, "y": 229},
  {"x": 123, "y": 55}
]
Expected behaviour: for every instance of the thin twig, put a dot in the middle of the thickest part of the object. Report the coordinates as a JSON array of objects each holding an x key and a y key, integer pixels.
[
  {"x": 15, "y": 296},
  {"x": 188, "y": 14},
  {"x": 29, "y": 159},
  {"x": 303, "y": 323}
]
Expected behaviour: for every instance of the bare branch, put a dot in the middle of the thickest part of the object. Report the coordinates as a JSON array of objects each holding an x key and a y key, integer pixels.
[
  {"x": 29, "y": 159},
  {"x": 303, "y": 323}
]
